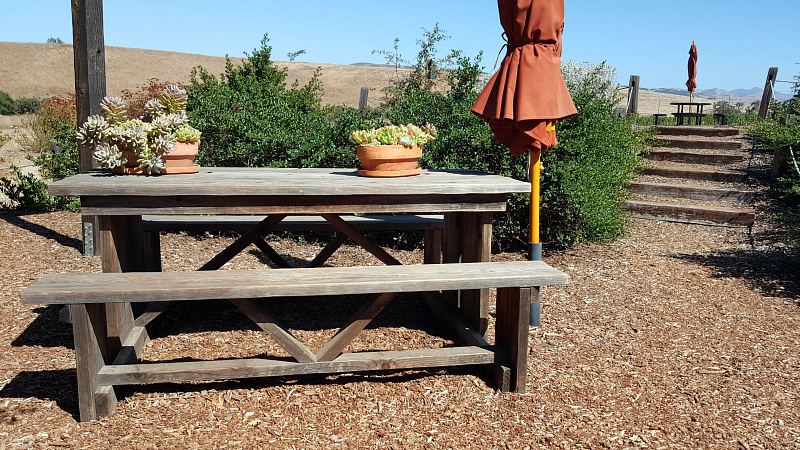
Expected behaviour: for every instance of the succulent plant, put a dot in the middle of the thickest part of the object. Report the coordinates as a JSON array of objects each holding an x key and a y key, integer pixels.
[
  {"x": 115, "y": 110},
  {"x": 407, "y": 135},
  {"x": 120, "y": 139},
  {"x": 186, "y": 133}
]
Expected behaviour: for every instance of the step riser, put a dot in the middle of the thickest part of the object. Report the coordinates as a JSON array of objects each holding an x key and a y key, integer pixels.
[
  {"x": 693, "y": 158},
  {"x": 692, "y": 193},
  {"x": 698, "y": 131},
  {"x": 684, "y": 214},
  {"x": 700, "y": 144},
  {"x": 696, "y": 175}
]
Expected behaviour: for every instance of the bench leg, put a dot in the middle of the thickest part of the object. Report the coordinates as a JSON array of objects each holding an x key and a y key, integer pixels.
[
  {"x": 477, "y": 241},
  {"x": 91, "y": 354},
  {"x": 511, "y": 330}
]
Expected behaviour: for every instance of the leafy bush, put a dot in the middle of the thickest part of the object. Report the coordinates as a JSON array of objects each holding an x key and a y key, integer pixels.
[
  {"x": 27, "y": 105},
  {"x": 7, "y": 105},
  {"x": 29, "y": 193},
  {"x": 250, "y": 118},
  {"x": 55, "y": 120},
  {"x": 736, "y": 114}
]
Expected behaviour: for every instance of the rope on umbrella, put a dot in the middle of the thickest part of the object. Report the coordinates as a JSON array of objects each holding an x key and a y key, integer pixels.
[{"x": 794, "y": 161}]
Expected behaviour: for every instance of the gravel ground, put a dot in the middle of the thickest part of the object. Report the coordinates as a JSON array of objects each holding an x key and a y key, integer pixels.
[{"x": 676, "y": 336}]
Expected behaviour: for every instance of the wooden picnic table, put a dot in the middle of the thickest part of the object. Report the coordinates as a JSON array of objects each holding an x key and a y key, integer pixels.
[
  {"x": 683, "y": 114},
  {"x": 467, "y": 199}
]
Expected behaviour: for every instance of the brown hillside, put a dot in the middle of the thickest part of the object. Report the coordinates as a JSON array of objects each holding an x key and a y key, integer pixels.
[{"x": 41, "y": 70}]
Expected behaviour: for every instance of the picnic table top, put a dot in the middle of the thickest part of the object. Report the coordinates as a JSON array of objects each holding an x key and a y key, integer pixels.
[
  {"x": 226, "y": 181},
  {"x": 689, "y": 103}
]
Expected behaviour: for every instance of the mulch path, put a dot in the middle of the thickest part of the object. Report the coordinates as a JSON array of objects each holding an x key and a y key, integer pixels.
[{"x": 676, "y": 336}]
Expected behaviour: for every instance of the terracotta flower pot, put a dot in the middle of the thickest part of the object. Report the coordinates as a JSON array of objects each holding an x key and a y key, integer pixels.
[
  {"x": 179, "y": 160},
  {"x": 388, "y": 160}
]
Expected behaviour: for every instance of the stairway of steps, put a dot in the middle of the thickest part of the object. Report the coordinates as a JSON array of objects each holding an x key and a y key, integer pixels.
[{"x": 699, "y": 176}]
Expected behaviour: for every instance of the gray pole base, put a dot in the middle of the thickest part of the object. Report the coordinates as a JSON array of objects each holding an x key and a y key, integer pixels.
[
  {"x": 535, "y": 254},
  {"x": 534, "y": 251}
]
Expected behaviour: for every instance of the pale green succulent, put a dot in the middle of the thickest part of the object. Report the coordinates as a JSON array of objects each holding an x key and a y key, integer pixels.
[
  {"x": 115, "y": 110},
  {"x": 407, "y": 135},
  {"x": 109, "y": 156},
  {"x": 120, "y": 138},
  {"x": 174, "y": 99},
  {"x": 186, "y": 133}
]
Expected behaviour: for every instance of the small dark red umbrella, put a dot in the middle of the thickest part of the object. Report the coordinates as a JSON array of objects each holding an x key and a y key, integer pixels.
[
  {"x": 527, "y": 95},
  {"x": 692, "y": 84}
]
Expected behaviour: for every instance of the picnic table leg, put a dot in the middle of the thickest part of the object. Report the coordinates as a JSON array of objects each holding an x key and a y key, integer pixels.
[
  {"x": 91, "y": 354},
  {"x": 476, "y": 235},
  {"x": 451, "y": 246},
  {"x": 120, "y": 241},
  {"x": 511, "y": 330}
]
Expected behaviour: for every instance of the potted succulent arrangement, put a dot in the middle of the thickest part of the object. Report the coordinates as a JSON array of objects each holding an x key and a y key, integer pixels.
[
  {"x": 159, "y": 142},
  {"x": 391, "y": 151}
]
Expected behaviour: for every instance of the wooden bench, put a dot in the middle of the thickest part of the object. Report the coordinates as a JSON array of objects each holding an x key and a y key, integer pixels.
[
  {"x": 432, "y": 225},
  {"x": 656, "y": 116},
  {"x": 722, "y": 118},
  {"x": 698, "y": 117},
  {"x": 100, "y": 369}
]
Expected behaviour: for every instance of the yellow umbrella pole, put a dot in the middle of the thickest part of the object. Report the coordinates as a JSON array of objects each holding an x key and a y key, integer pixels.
[
  {"x": 534, "y": 168},
  {"x": 535, "y": 247}
]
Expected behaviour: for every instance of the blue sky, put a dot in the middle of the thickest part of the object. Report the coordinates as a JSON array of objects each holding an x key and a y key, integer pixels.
[{"x": 737, "y": 40}]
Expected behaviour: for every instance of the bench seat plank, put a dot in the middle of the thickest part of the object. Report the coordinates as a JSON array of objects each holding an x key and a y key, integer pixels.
[
  {"x": 233, "y": 284},
  {"x": 244, "y": 223}
]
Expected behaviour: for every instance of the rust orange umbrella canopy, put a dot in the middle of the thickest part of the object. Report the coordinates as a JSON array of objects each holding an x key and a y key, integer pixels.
[
  {"x": 528, "y": 91},
  {"x": 527, "y": 94},
  {"x": 691, "y": 84}
]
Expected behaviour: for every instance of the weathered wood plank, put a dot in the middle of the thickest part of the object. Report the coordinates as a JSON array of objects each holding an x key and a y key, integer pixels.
[
  {"x": 231, "y": 284},
  {"x": 306, "y": 182},
  {"x": 513, "y": 314},
  {"x": 693, "y": 192},
  {"x": 477, "y": 238},
  {"x": 432, "y": 252},
  {"x": 277, "y": 331},
  {"x": 354, "y": 325},
  {"x": 91, "y": 352},
  {"x": 723, "y": 175},
  {"x": 255, "y": 367},
  {"x": 699, "y": 214},
  {"x": 244, "y": 224},
  {"x": 360, "y": 239}
]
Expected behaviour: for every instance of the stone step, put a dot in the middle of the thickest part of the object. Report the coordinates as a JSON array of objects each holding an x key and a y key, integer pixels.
[
  {"x": 697, "y": 214},
  {"x": 692, "y": 192},
  {"x": 688, "y": 143},
  {"x": 690, "y": 173},
  {"x": 691, "y": 157},
  {"x": 698, "y": 131}
]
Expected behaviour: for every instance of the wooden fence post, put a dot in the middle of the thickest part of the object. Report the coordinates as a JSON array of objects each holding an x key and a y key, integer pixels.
[
  {"x": 362, "y": 101},
  {"x": 772, "y": 75},
  {"x": 89, "y": 56},
  {"x": 633, "y": 95}
]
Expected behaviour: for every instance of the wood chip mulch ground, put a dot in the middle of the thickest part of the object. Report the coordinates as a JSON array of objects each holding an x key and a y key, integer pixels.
[{"x": 675, "y": 337}]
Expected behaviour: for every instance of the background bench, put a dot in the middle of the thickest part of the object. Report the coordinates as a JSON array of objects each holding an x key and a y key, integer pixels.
[
  {"x": 100, "y": 368},
  {"x": 432, "y": 225}
]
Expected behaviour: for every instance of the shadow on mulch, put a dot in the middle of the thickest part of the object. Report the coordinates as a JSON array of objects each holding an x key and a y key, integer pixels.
[
  {"x": 774, "y": 272},
  {"x": 60, "y": 386},
  {"x": 46, "y": 330},
  {"x": 15, "y": 218}
]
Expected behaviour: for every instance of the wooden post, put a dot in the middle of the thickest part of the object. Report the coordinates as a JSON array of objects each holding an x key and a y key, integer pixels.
[
  {"x": 633, "y": 95},
  {"x": 88, "y": 47},
  {"x": 362, "y": 101},
  {"x": 766, "y": 97}
]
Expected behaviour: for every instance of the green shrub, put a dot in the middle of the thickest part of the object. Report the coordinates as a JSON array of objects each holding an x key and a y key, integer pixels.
[
  {"x": 250, "y": 118},
  {"x": 29, "y": 193},
  {"x": 28, "y": 105},
  {"x": 7, "y": 105},
  {"x": 54, "y": 121}
]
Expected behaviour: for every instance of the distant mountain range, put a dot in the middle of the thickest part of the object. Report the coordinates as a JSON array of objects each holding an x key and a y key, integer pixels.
[{"x": 721, "y": 94}]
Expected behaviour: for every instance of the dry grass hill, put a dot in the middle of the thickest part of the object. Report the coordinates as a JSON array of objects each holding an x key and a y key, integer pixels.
[{"x": 40, "y": 70}]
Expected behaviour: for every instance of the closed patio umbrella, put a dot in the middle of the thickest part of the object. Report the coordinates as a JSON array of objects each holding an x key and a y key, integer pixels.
[
  {"x": 691, "y": 83},
  {"x": 527, "y": 95}
]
